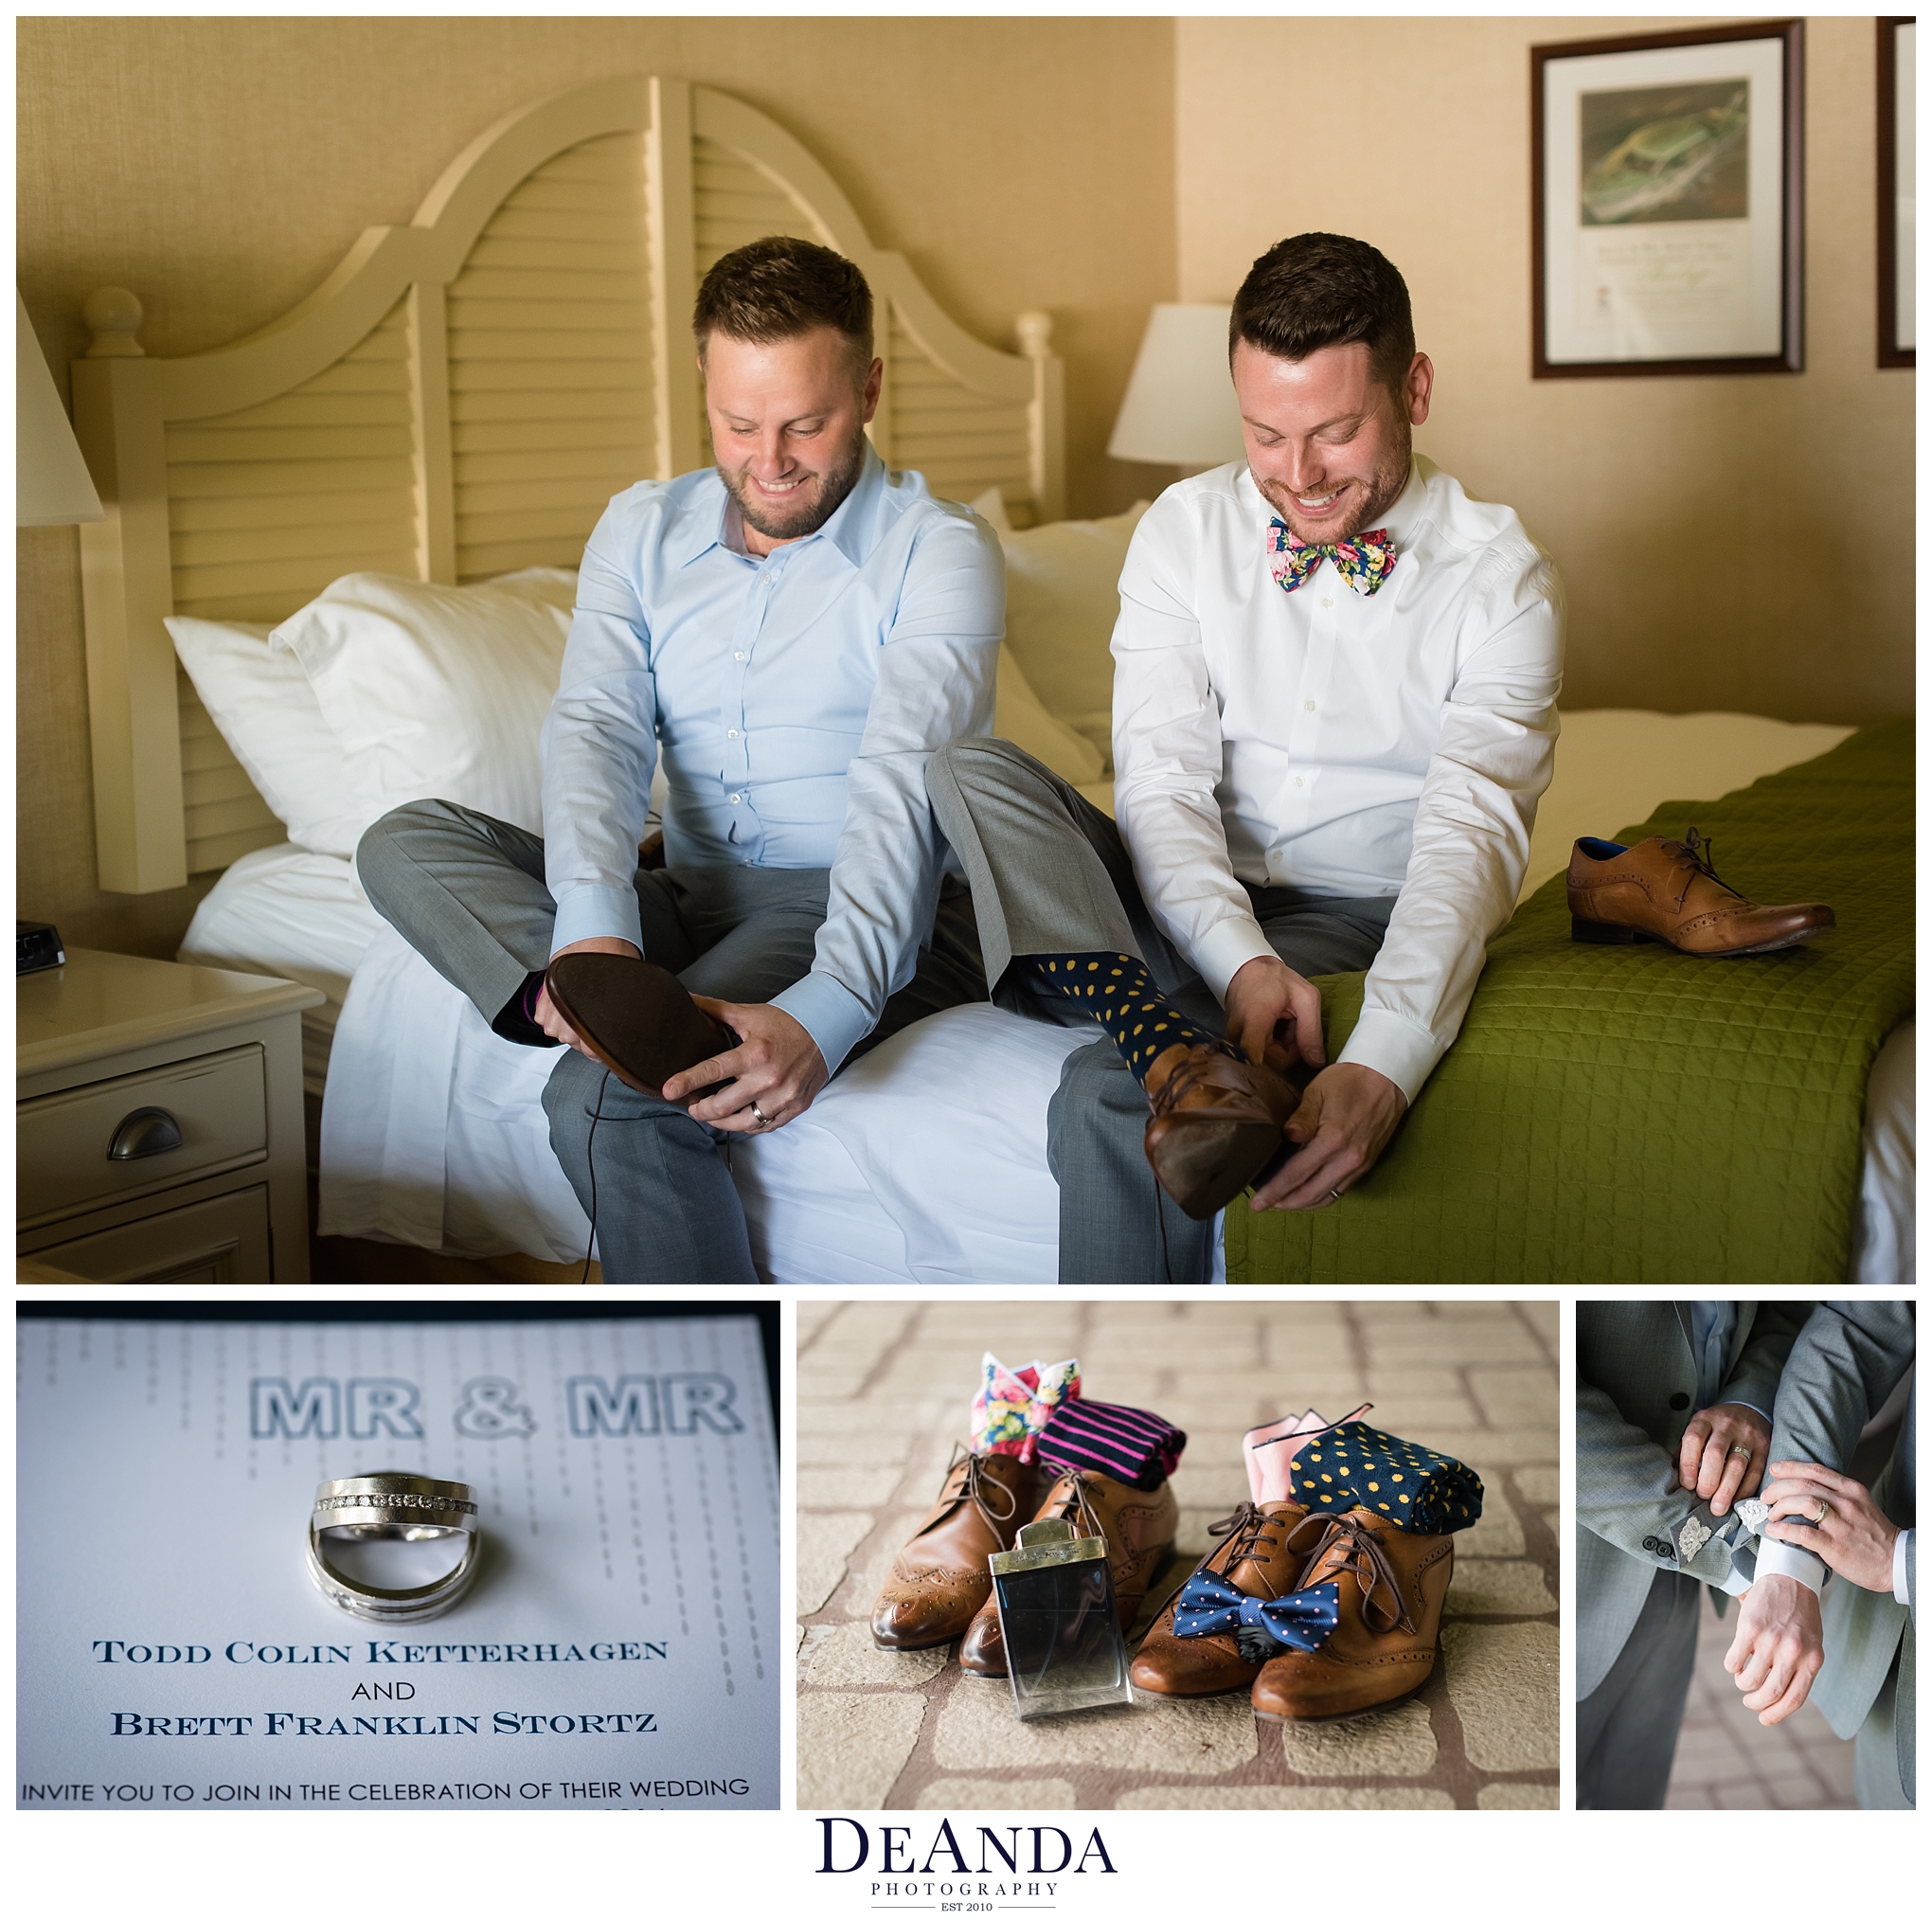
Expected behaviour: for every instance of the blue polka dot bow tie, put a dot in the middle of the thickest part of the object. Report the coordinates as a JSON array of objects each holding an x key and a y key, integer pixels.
[
  {"x": 1364, "y": 562},
  {"x": 1208, "y": 1605}
]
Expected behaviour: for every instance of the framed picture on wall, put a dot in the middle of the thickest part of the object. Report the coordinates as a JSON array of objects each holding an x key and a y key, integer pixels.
[
  {"x": 1898, "y": 217},
  {"x": 1667, "y": 215}
]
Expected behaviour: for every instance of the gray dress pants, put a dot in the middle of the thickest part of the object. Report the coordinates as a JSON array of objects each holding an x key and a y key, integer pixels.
[
  {"x": 1050, "y": 874},
  {"x": 1627, "y": 1726},
  {"x": 468, "y": 893}
]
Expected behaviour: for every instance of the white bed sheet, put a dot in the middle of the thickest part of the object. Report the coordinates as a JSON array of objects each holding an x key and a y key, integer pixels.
[
  {"x": 926, "y": 1160},
  {"x": 433, "y": 1136},
  {"x": 300, "y": 916}
]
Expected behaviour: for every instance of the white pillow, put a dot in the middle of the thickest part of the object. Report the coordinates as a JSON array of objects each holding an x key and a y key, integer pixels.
[
  {"x": 1063, "y": 597},
  {"x": 1019, "y": 717},
  {"x": 436, "y": 692},
  {"x": 262, "y": 706}
]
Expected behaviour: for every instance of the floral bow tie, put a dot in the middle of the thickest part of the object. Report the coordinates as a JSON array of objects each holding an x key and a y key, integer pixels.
[
  {"x": 1304, "y": 1620},
  {"x": 1364, "y": 562}
]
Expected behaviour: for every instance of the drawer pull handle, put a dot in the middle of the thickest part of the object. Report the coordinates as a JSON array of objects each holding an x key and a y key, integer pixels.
[{"x": 145, "y": 1131}]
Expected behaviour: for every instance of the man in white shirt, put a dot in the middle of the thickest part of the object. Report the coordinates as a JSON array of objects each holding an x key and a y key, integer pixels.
[{"x": 1334, "y": 715}]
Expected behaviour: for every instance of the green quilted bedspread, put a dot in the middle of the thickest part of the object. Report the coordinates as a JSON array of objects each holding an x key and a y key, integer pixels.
[{"x": 1632, "y": 1114}]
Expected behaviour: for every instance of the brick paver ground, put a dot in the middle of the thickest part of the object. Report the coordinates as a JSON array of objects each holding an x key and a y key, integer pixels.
[
  {"x": 882, "y": 1395},
  {"x": 1724, "y": 1759}
]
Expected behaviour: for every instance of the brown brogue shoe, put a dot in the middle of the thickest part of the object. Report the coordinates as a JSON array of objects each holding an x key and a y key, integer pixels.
[
  {"x": 1254, "y": 1557},
  {"x": 638, "y": 1020},
  {"x": 1384, "y": 1645},
  {"x": 1138, "y": 1528},
  {"x": 1217, "y": 1121},
  {"x": 1668, "y": 891},
  {"x": 940, "y": 1579}
]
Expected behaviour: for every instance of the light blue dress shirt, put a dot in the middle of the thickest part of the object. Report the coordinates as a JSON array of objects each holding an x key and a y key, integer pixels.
[{"x": 795, "y": 699}]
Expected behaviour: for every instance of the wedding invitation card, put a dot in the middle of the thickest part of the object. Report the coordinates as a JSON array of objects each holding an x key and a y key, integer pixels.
[{"x": 618, "y": 1647}]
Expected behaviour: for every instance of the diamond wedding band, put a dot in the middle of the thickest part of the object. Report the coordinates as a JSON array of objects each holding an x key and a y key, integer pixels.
[
  {"x": 393, "y": 1507},
  {"x": 1744, "y": 1452}
]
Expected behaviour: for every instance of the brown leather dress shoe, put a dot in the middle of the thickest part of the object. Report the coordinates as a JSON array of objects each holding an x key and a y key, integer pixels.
[
  {"x": 1255, "y": 1557},
  {"x": 1668, "y": 891},
  {"x": 1217, "y": 1123},
  {"x": 638, "y": 1020},
  {"x": 940, "y": 1579},
  {"x": 1384, "y": 1645},
  {"x": 1138, "y": 1528}
]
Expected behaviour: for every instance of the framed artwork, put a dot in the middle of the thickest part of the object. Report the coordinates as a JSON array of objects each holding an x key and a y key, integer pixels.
[
  {"x": 1667, "y": 203},
  {"x": 1897, "y": 204}
]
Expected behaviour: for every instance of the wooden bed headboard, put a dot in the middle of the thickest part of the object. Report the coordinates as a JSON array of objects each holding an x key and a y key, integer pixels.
[{"x": 461, "y": 397}]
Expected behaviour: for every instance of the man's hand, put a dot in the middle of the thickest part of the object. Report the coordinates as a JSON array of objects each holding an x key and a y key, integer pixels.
[
  {"x": 776, "y": 1071},
  {"x": 1706, "y": 1465},
  {"x": 1273, "y": 1015},
  {"x": 1854, "y": 1538},
  {"x": 1343, "y": 1123},
  {"x": 1779, "y": 1646},
  {"x": 548, "y": 1018}
]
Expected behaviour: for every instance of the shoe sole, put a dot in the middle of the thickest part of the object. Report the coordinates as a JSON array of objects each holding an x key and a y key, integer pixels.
[
  {"x": 1603, "y": 934},
  {"x": 1205, "y": 1165},
  {"x": 686, "y": 1029}
]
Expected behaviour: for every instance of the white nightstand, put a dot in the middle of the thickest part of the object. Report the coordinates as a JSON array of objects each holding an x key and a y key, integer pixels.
[{"x": 160, "y": 1122}]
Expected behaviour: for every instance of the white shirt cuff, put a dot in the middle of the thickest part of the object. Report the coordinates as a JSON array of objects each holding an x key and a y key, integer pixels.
[
  {"x": 1395, "y": 1047},
  {"x": 831, "y": 1013},
  {"x": 1226, "y": 947},
  {"x": 1781, "y": 1557},
  {"x": 1902, "y": 1580},
  {"x": 1737, "y": 1581},
  {"x": 593, "y": 912}
]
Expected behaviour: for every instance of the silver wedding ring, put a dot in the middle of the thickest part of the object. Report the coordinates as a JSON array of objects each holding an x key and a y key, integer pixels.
[
  {"x": 393, "y": 1507},
  {"x": 765, "y": 1120},
  {"x": 1335, "y": 1193},
  {"x": 1818, "y": 1518},
  {"x": 1744, "y": 1452}
]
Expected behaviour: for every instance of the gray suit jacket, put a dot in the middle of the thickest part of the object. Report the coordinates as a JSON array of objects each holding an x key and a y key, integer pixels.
[
  {"x": 1850, "y": 1356},
  {"x": 1637, "y": 1389}
]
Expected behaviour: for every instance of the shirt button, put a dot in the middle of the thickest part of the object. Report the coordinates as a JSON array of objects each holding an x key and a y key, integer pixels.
[
  {"x": 739, "y": 656},
  {"x": 1297, "y": 782},
  {"x": 737, "y": 797},
  {"x": 730, "y": 733},
  {"x": 1328, "y": 603},
  {"x": 1309, "y": 704}
]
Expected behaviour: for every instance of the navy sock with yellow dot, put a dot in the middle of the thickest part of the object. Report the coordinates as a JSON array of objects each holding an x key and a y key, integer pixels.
[{"x": 1117, "y": 991}]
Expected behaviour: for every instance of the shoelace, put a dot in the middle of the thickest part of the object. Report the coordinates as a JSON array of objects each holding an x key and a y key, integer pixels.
[
  {"x": 1246, "y": 1529},
  {"x": 1693, "y": 851},
  {"x": 1368, "y": 1560},
  {"x": 974, "y": 1486},
  {"x": 1078, "y": 1510}
]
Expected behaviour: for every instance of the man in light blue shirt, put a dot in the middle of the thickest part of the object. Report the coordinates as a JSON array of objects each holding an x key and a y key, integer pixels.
[{"x": 793, "y": 632}]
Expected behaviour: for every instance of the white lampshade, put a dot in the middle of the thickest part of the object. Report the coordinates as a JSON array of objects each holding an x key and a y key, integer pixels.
[
  {"x": 51, "y": 483},
  {"x": 1180, "y": 408}
]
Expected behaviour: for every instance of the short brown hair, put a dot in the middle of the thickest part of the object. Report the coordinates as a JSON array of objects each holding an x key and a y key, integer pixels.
[
  {"x": 779, "y": 288},
  {"x": 1325, "y": 290}
]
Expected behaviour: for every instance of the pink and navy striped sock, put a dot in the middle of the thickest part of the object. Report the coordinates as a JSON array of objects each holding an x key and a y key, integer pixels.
[{"x": 1102, "y": 1437}]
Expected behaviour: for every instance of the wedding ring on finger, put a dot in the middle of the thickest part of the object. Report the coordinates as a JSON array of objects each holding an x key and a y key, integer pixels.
[
  {"x": 1818, "y": 1518},
  {"x": 393, "y": 1507},
  {"x": 765, "y": 1120},
  {"x": 1739, "y": 1448}
]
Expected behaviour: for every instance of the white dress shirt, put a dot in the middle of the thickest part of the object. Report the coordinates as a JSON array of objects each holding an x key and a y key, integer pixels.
[{"x": 1346, "y": 744}]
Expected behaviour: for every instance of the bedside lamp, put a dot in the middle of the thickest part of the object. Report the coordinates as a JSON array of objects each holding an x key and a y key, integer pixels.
[
  {"x": 52, "y": 486},
  {"x": 1180, "y": 408}
]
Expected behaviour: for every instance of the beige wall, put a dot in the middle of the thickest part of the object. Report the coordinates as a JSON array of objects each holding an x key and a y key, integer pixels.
[
  {"x": 1743, "y": 543},
  {"x": 221, "y": 168}
]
